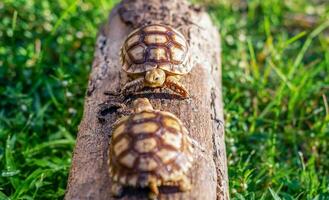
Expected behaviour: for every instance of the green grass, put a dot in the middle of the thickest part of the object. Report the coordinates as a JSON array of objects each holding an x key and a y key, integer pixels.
[{"x": 276, "y": 91}]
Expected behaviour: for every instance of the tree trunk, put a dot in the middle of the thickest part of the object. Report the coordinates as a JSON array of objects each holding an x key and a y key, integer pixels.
[{"x": 202, "y": 113}]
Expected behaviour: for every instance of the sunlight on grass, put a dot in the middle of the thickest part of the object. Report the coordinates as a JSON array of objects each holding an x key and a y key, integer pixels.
[
  {"x": 276, "y": 126},
  {"x": 46, "y": 50}
]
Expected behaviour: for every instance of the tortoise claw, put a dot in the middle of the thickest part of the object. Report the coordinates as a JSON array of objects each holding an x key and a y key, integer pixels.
[
  {"x": 117, "y": 190},
  {"x": 133, "y": 86},
  {"x": 154, "y": 190},
  {"x": 112, "y": 93}
]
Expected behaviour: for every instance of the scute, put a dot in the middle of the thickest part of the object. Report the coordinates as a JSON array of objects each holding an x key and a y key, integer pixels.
[
  {"x": 172, "y": 139},
  {"x": 157, "y": 54},
  {"x": 139, "y": 68},
  {"x": 145, "y": 145},
  {"x": 149, "y": 145},
  {"x": 176, "y": 69},
  {"x": 128, "y": 160},
  {"x": 166, "y": 155},
  {"x": 172, "y": 123},
  {"x": 155, "y": 39},
  {"x": 179, "y": 40},
  {"x": 155, "y": 46},
  {"x": 177, "y": 54},
  {"x": 118, "y": 130},
  {"x": 147, "y": 127},
  {"x": 147, "y": 163},
  {"x": 121, "y": 146},
  {"x": 132, "y": 40},
  {"x": 137, "y": 53},
  {"x": 183, "y": 162},
  {"x": 144, "y": 115},
  {"x": 157, "y": 28},
  {"x": 132, "y": 180}
]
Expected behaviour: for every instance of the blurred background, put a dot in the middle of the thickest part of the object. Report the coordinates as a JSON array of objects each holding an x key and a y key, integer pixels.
[{"x": 275, "y": 62}]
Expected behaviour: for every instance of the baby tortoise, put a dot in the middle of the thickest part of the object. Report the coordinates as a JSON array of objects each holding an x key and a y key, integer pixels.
[
  {"x": 155, "y": 56},
  {"x": 149, "y": 148}
]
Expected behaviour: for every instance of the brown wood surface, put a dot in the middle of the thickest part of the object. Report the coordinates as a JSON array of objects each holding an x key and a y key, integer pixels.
[{"x": 202, "y": 113}]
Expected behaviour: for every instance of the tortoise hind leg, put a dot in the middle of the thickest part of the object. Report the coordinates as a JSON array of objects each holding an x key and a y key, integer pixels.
[
  {"x": 173, "y": 84},
  {"x": 117, "y": 190},
  {"x": 133, "y": 86},
  {"x": 154, "y": 190},
  {"x": 129, "y": 88},
  {"x": 184, "y": 184}
]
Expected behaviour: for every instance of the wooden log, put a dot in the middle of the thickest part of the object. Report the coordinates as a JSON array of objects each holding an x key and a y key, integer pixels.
[{"x": 202, "y": 113}]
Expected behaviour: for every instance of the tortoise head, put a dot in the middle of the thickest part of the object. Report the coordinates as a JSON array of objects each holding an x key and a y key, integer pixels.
[
  {"x": 142, "y": 104},
  {"x": 155, "y": 78}
]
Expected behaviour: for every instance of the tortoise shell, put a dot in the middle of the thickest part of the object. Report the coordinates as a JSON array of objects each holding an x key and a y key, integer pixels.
[
  {"x": 150, "y": 145},
  {"x": 155, "y": 46}
]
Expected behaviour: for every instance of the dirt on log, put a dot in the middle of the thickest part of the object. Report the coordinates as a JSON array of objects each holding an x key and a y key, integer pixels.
[{"x": 202, "y": 113}]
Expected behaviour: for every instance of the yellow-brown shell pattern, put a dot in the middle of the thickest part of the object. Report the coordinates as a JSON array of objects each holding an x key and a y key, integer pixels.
[
  {"x": 151, "y": 145},
  {"x": 155, "y": 46}
]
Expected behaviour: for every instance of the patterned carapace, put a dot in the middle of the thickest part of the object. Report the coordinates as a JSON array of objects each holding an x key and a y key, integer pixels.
[
  {"x": 150, "y": 148},
  {"x": 159, "y": 50}
]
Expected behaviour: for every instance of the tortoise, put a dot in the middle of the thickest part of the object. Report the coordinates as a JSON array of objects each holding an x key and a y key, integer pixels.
[
  {"x": 148, "y": 149},
  {"x": 155, "y": 56}
]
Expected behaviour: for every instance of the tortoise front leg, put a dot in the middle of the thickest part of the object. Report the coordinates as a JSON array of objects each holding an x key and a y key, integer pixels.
[
  {"x": 116, "y": 190},
  {"x": 154, "y": 190},
  {"x": 133, "y": 86},
  {"x": 173, "y": 84}
]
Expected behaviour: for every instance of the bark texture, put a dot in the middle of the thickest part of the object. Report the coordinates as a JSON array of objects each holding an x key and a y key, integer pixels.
[{"x": 202, "y": 113}]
